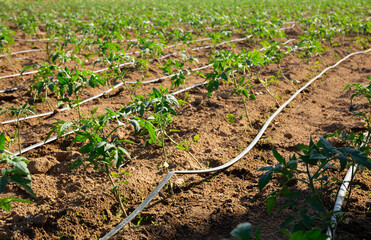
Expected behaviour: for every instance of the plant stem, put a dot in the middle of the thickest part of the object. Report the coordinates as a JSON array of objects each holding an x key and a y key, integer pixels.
[
  {"x": 187, "y": 151},
  {"x": 311, "y": 184},
  {"x": 247, "y": 115},
  {"x": 115, "y": 191},
  {"x": 269, "y": 92},
  {"x": 350, "y": 184},
  {"x": 283, "y": 75},
  {"x": 163, "y": 147},
  {"x": 18, "y": 136}
]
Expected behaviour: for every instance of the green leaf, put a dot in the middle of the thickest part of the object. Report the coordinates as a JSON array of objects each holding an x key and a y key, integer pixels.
[
  {"x": 151, "y": 132},
  {"x": 271, "y": 203},
  {"x": 246, "y": 93},
  {"x": 86, "y": 148},
  {"x": 126, "y": 141},
  {"x": 278, "y": 156},
  {"x": 302, "y": 146},
  {"x": 3, "y": 182},
  {"x": 23, "y": 182},
  {"x": 18, "y": 162},
  {"x": 5, "y": 202},
  {"x": 64, "y": 126},
  {"x": 135, "y": 125},
  {"x": 76, "y": 163},
  {"x": 326, "y": 145},
  {"x": 287, "y": 221},
  {"x": 316, "y": 204},
  {"x": 2, "y": 141},
  {"x": 156, "y": 93},
  {"x": 265, "y": 179},
  {"x": 314, "y": 234},
  {"x": 123, "y": 150},
  {"x": 358, "y": 156},
  {"x": 197, "y": 137},
  {"x": 80, "y": 138},
  {"x": 305, "y": 219},
  {"x": 94, "y": 111}
]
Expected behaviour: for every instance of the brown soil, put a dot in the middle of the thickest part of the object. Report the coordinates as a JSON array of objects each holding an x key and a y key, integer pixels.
[{"x": 79, "y": 204}]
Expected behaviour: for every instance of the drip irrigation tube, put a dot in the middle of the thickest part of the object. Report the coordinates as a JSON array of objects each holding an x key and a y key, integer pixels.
[
  {"x": 24, "y": 51},
  {"x": 107, "y": 91},
  {"x": 129, "y": 40},
  {"x": 124, "y": 64},
  {"x": 340, "y": 197},
  {"x": 168, "y": 55},
  {"x": 224, "y": 166},
  {"x": 39, "y": 144}
]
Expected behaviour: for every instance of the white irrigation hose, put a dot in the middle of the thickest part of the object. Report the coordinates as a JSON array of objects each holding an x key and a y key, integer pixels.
[
  {"x": 18, "y": 74},
  {"x": 25, "y": 51},
  {"x": 110, "y": 89},
  {"x": 68, "y": 133},
  {"x": 96, "y": 96},
  {"x": 31, "y": 40},
  {"x": 124, "y": 64},
  {"x": 224, "y": 166},
  {"x": 130, "y": 40},
  {"x": 168, "y": 55},
  {"x": 340, "y": 197}
]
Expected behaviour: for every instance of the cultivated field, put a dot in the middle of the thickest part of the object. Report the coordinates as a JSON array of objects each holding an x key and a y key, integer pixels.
[{"x": 251, "y": 111}]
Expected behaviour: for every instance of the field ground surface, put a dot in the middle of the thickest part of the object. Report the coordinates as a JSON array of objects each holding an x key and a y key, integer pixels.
[{"x": 92, "y": 35}]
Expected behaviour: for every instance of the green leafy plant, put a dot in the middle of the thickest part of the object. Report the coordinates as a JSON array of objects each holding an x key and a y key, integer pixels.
[
  {"x": 364, "y": 113},
  {"x": 177, "y": 69},
  {"x": 105, "y": 152},
  {"x": 157, "y": 123},
  {"x": 43, "y": 82},
  {"x": 148, "y": 48},
  {"x": 14, "y": 171},
  {"x": 114, "y": 58},
  {"x": 18, "y": 113},
  {"x": 275, "y": 53},
  {"x": 231, "y": 118},
  {"x": 310, "y": 168},
  {"x": 71, "y": 85},
  {"x": 232, "y": 67},
  {"x": 6, "y": 38}
]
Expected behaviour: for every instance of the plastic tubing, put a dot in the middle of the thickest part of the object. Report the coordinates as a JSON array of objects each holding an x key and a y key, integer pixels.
[
  {"x": 24, "y": 51},
  {"x": 224, "y": 166},
  {"x": 39, "y": 144},
  {"x": 340, "y": 197},
  {"x": 107, "y": 91},
  {"x": 124, "y": 64}
]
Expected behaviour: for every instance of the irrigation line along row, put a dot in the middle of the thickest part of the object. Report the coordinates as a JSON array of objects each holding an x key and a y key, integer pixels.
[
  {"x": 133, "y": 40},
  {"x": 224, "y": 166},
  {"x": 124, "y": 64},
  {"x": 111, "y": 89},
  {"x": 52, "y": 139},
  {"x": 24, "y": 51},
  {"x": 128, "y": 40},
  {"x": 340, "y": 197},
  {"x": 93, "y": 97}
]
